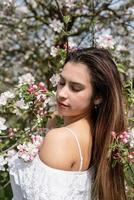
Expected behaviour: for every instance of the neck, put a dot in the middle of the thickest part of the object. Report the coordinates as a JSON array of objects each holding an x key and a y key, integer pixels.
[{"x": 70, "y": 120}]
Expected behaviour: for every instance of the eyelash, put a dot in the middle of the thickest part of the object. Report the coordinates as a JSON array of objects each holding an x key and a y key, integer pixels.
[
  {"x": 60, "y": 83},
  {"x": 72, "y": 88}
]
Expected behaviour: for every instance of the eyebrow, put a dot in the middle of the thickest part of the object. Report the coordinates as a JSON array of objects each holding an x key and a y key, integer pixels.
[{"x": 73, "y": 82}]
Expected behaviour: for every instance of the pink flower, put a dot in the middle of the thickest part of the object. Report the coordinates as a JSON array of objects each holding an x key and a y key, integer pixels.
[
  {"x": 124, "y": 136},
  {"x": 27, "y": 151},
  {"x": 124, "y": 140},
  {"x": 35, "y": 87},
  {"x": 131, "y": 157},
  {"x": 42, "y": 87},
  {"x": 11, "y": 132},
  {"x": 36, "y": 94},
  {"x": 37, "y": 140},
  {"x": 121, "y": 136},
  {"x": 31, "y": 89},
  {"x": 113, "y": 134}
]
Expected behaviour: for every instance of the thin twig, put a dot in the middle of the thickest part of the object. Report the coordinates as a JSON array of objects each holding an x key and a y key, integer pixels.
[
  {"x": 6, "y": 184},
  {"x": 60, "y": 10},
  {"x": 15, "y": 145},
  {"x": 65, "y": 25}
]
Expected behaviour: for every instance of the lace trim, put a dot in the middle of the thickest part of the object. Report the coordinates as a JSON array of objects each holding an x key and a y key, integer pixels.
[{"x": 39, "y": 183}]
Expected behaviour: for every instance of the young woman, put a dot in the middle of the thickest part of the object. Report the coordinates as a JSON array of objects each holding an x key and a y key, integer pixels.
[{"x": 73, "y": 162}]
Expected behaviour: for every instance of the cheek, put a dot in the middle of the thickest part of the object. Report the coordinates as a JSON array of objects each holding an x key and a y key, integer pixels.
[{"x": 82, "y": 101}]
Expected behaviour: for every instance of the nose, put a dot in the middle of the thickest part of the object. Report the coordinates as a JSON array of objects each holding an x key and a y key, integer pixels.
[{"x": 62, "y": 93}]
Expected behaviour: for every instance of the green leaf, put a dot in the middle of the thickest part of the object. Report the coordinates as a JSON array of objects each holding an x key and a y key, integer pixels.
[{"x": 67, "y": 19}]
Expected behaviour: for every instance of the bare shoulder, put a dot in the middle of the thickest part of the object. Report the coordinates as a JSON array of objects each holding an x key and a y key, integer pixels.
[{"x": 56, "y": 149}]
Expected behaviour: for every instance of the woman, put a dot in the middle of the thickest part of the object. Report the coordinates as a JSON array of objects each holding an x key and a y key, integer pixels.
[{"x": 73, "y": 162}]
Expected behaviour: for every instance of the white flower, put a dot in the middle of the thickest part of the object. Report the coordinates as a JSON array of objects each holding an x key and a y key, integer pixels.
[
  {"x": 33, "y": 3},
  {"x": 11, "y": 153},
  {"x": 9, "y": 94},
  {"x": 4, "y": 97},
  {"x": 70, "y": 3},
  {"x": 55, "y": 79},
  {"x": 21, "y": 9},
  {"x": 121, "y": 48},
  {"x": 21, "y": 104},
  {"x": 17, "y": 112},
  {"x": 37, "y": 140},
  {"x": 130, "y": 73},
  {"x": 2, "y": 126},
  {"x": 131, "y": 133},
  {"x": 27, "y": 151},
  {"x": 2, "y": 163},
  {"x": 41, "y": 97},
  {"x": 53, "y": 51},
  {"x": 56, "y": 25},
  {"x": 51, "y": 101},
  {"x": 26, "y": 78},
  {"x": 7, "y": 2},
  {"x": 106, "y": 41},
  {"x": 72, "y": 44}
]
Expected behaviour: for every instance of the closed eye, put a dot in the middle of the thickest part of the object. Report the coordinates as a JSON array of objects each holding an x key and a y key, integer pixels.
[
  {"x": 61, "y": 83},
  {"x": 76, "y": 89}
]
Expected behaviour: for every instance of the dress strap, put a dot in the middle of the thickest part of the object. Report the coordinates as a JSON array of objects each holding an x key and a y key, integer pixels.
[{"x": 81, "y": 158}]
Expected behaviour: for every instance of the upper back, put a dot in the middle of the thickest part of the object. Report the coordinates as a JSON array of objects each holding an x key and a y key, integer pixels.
[{"x": 64, "y": 147}]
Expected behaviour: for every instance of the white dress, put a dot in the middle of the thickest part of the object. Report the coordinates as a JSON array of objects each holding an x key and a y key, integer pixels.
[{"x": 37, "y": 181}]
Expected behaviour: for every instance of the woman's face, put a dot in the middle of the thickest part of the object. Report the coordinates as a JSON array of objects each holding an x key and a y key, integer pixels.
[{"x": 74, "y": 90}]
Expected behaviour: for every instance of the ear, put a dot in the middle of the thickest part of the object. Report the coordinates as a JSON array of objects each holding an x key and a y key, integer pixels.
[{"x": 98, "y": 100}]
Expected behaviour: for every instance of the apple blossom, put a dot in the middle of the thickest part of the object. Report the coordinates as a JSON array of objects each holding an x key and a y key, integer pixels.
[
  {"x": 106, "y": 41},
  {"x": 68, "y": 3},
  {"x": 11, "y": 132},
  {"x": 55, "y": 79},
  {"x": 5, "y": 96},
  {"x": 56, "y": 25},
  {"x": 37, "y": 140},
  {"x": 2, "y": 163},
  {"x": 131, "y": 132},
  {"x": 42, "y": 87},
  {"x": 28, "y": 151},
  {"x": 9, "y": 94},
  {"x": 2, "y": 124},
  {"x": 33, "y": 3},
  {"x": 21, "y": 104},
  {"x": 11, "y": 153},
  {"x": 7, "y": 2},
  {"x": 121, "y": 48},
  {"x": 26, "y": 78},
  {"x": 3, "y": 99},
  {"x": 53, "y": 51}
]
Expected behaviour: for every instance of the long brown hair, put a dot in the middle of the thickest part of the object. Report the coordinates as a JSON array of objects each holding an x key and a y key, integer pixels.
[{"x": 108, "y": 182}]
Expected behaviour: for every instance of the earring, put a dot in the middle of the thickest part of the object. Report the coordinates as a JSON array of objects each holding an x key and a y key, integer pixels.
[{"x": 95, "y": 106}]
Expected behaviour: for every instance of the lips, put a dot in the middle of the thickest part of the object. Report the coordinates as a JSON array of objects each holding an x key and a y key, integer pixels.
[{"x": 62, "y": 104}]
